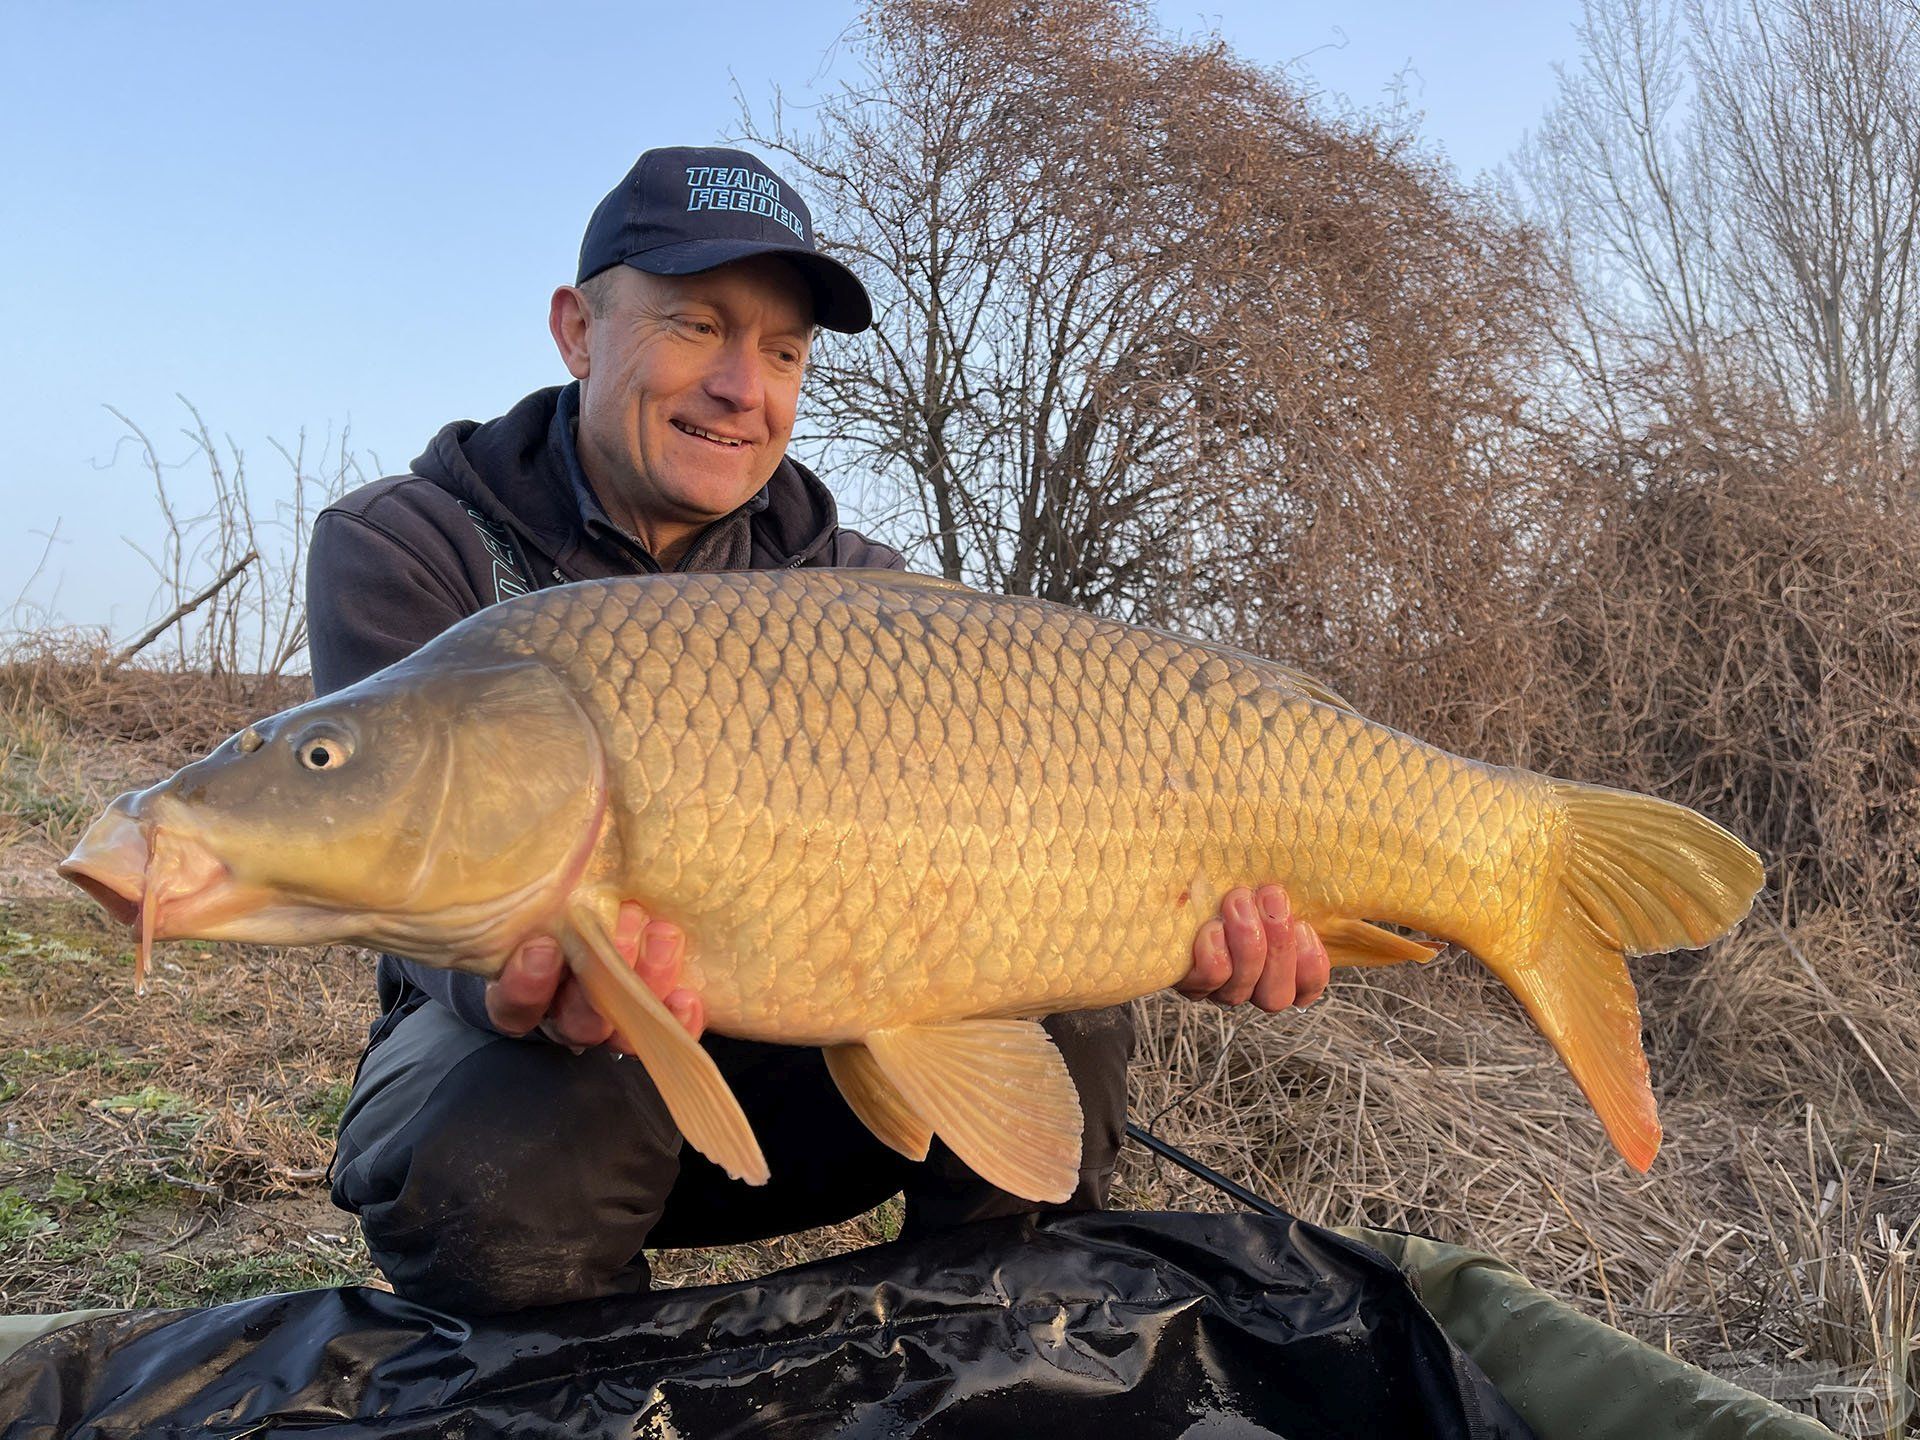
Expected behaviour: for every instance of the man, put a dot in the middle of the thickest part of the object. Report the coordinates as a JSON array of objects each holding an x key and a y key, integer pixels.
[{"x": 497, "y": 1149}]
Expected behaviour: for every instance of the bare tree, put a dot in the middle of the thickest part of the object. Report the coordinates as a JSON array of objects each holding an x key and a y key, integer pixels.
[
  {"x": 1734, "y": 187},
  {"x": 1814, "y": 106},
  {"x": 1144, "y": 317},
  {"x": 999, "y": 175}
]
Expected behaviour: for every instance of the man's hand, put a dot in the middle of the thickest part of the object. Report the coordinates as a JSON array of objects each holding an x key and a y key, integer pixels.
[
  {"x": 536, "y": 991},
  {"x": 1255, "y": 950}
]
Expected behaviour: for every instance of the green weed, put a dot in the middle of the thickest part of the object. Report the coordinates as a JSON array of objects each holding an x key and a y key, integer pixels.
[
  {"x": 150, "y": 1100},
  {"x": 324, "y": 1106},
  {"x": 25, "y": 945},
  {"x": 36, "y": 1060},
  {"x": 20, "y": 1218},
  {"x": 118, "y": 1194},
  {"x": 256, "y": 1275}
]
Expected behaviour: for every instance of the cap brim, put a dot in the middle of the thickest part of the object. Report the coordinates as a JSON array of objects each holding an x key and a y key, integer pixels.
[{"x": 839, "y": 299}]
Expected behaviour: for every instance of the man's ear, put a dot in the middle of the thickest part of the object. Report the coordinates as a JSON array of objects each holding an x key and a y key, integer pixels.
[{"x": 569, "y": 318}]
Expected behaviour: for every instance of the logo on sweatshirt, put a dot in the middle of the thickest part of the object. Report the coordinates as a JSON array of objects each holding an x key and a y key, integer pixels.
[
  {"x": 722, "y": 187},
  {"x": 506, "y": 570}
]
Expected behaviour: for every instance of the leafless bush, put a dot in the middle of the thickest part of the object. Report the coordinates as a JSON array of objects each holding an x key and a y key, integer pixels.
[
  {"x": 231, "y": 575},
  {"x": 1138, "y": 301},
  {"x": 1741, "y": 634},
  {"x": 71, "y": 680}
]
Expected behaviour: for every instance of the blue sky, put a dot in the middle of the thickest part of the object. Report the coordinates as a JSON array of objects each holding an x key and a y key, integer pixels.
[{"x": 315, "y": 216}]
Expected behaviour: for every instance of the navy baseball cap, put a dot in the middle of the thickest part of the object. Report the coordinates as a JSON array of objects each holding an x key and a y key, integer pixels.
[{"x": 686, "y": 209}]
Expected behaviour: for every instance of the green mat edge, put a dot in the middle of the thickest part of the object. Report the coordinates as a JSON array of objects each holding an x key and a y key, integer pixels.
[{"x": 1570, "y": 1376}]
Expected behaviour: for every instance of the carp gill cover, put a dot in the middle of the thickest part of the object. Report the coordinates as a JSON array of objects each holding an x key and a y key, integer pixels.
[{"x": 887, "y": 811}]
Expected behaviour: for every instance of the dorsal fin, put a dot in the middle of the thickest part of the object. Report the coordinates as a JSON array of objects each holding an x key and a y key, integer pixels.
[
  {"x": 904, "y": 579},
  {"x": 909, "y": 580},
  {"x": 1315, "y": 689}
]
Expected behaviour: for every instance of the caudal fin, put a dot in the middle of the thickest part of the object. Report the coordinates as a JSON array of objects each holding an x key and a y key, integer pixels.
[{"x": 1640, "y": 876}]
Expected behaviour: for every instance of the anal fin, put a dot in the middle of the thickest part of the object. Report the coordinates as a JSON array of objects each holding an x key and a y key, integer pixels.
[
  {"x": 696, "y": 1093},
  {"x": 1355, "y": 942},
  {"x": 998, "y": 1092},
  {"x": 871, "y": 1096}
]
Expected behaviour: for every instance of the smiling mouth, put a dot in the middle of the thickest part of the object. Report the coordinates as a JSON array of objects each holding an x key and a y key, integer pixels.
[{"x": 725, "y": 442}]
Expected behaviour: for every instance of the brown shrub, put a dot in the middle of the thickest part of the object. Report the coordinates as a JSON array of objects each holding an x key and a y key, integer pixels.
[
  {"x": 1742, "y": 634},
  {"x": 1724, "y": 611},
  {"x": 72, "y": 676}
]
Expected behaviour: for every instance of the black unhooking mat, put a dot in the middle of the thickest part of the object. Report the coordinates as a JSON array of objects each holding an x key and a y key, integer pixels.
[{"x": 1109, "y": 1325}]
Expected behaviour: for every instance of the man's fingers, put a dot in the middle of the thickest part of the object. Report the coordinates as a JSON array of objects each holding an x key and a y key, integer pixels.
[
  {"x": 1257, "y": 950},
  {"x": 535, "y": 991},
  {"x": 1277, "y": 983},
  {"x": 689, "y": 1009},
  {"x": 627, "y": 927},
  {"x": 1211, "y": 964},
  {"x": 656, "y": 949},
  {"x": 519, "y": 997},
  {"x": 1246, "y": 945},
  {"x": 572, "y": 1020},
  {"x": 1314, "y": 968},
  {"x": 662, "y": 950},
  {"x": 1276, "y": 920}
]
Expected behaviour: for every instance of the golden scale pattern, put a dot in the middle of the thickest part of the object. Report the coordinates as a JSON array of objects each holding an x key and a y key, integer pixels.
[{"x": 873, "y": 799}]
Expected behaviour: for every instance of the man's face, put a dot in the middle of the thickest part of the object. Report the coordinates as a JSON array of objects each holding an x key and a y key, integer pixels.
[{"x": 689, "y": 387}]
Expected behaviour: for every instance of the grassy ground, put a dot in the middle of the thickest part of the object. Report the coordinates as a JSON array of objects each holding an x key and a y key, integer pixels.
[{"x": 169, "y": 1150}]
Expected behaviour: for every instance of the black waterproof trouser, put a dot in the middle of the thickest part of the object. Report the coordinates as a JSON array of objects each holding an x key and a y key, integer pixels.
[{"x": 492, "y": 1174}]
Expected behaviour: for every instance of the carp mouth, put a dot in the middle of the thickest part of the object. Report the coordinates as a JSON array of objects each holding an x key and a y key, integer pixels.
[
  {"x": 110, "y": 862},
  {"x": 142, "y": 875},
  {"x": 118, "y": 895}
]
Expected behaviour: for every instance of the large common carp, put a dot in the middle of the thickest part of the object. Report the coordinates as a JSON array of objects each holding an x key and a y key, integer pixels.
[{"x": 897, "y": 818}]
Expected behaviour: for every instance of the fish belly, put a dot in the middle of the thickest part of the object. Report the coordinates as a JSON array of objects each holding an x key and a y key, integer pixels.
[{"x": 874, "y": 801}]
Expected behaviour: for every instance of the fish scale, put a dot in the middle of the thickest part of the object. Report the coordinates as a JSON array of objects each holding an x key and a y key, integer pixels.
[
  {"x": 1053, "y": 832},
  {"x": 897, "y": 818}
]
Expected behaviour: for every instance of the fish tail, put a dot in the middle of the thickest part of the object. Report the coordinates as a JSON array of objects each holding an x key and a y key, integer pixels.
[{"x": 1638, "y": 876}]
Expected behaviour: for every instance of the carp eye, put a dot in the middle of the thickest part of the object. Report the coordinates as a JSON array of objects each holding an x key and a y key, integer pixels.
[{"x": 324, "y": 752}]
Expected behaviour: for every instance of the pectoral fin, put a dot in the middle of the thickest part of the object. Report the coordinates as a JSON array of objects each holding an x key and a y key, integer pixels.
[
  {"x": 998, "y": 1093},
  {"x": 1355, "y": 942},
  {"x": 697, "y": 1094},
  {"x": 871, "y": 1096}
]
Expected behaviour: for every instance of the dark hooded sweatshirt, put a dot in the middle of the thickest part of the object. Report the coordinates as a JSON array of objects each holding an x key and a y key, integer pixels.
[{"x": 492, "y": 511}]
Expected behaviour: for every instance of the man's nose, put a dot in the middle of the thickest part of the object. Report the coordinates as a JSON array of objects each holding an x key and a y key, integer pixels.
[{"x": 736, "y": 378}]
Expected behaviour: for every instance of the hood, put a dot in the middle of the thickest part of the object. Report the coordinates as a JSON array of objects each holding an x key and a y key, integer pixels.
[{"x": 514, "y": 471}]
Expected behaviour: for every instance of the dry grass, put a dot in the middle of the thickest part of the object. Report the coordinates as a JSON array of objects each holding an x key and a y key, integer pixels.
[
  {"x": 1723, "y": 610},
  {"x": 167, "y": 1150},
  {"x": 1779, "y": 1220}
]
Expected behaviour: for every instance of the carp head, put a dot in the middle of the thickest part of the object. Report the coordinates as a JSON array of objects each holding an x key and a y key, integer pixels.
[{"x": 441, "y": 812}]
